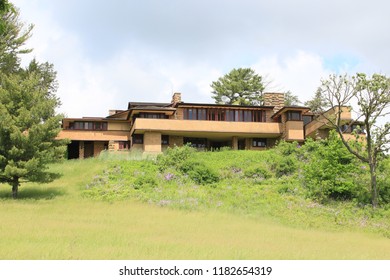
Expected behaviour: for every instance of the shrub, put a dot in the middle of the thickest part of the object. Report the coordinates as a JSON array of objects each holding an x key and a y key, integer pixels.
[
  {"x": 285, "y": 166},
  {"x": 199, "y": 172},
  {"x": 384, "y": 180},
  {"x": 257, "y": 172},
  {"x": 331, "y": 172},
  {"x": 174, "y": 157},
  {"x": 285, "y": 160},
  {"x": 145, "y": 181}
]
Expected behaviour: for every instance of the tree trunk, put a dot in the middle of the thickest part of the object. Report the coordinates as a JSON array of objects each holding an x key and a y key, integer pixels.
[
  {"x": 374, "y": 192},
  {"x": 15, "y": 187}
]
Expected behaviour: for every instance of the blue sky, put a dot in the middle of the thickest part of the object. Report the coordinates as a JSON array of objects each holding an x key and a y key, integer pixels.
[{"x": 107, "y": 53}]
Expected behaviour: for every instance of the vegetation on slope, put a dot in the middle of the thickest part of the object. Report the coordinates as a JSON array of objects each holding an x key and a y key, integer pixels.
[
  {"x": 315, "y": 186},
  {"x": 59, "y": 220}
]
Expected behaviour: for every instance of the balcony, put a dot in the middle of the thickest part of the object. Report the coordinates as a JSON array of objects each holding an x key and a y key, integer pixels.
[
  {"x": 322, "y": 122},
  {"x": 197, "y": 128},
  {"x": 91, "y": 135}
]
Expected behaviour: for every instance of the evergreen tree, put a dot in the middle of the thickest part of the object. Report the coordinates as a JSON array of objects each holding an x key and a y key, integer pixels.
[
  {"x": 240, "y": 86},
  {"x": 28, "y": 121},
  {"x": 318, "y": 104},
  {"x": 291, "y": 99}
]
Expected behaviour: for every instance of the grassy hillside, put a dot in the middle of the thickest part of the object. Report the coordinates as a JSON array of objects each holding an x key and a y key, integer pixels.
[{"x": 116, "y": 209}]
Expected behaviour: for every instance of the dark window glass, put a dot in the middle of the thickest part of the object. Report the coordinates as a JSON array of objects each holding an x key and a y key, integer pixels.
[
  {"x": 195, "y": 142},
  {"x": 88, "y": 125},
  {"x": 247, "y": 116},
  {"x": 138, "y": 139},
  {"x": 259, "y": 142},
  {"x": 202, "y": 114},
  {"x": 164, "y": 139},
  {"x": 357, "y": 128},
  {"x": 294, "y": 115},
  {"x": 307, "y": 119},
  {"x": 124, "y": 145}
]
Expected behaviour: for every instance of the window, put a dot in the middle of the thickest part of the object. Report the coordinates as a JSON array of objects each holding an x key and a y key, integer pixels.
[
  {"x": 259, "y": 142},
  {"x": 294, "y": 115},
  {"x": 138, "y": 139},
  {"x": 222, "y": 114},
  {"x": 307, "y": 119},
  {"x": 152, "y": 116},
  {"x": 88, "y": 125},
  {"x": 202, "y": 114},
  {"x": 124, "y": 145},
  {"x": 345, "y": 128},
  {"x": 358, "y": 128},
  {"x": 195, "y": 142},
  {"x": 164, "y": 139}
]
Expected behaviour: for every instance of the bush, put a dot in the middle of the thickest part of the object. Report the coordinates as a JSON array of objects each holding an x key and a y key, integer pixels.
[
  {"x": 285, "y": 160},
  {"x": 257, "y": 172},
  {"x": 383, "y": 180},
  {"x": 199, "y": 172},
  {"x": 331, "y": 172},
  {"x": 174, "y": 157},
  {"x": 145, "y": 181}
]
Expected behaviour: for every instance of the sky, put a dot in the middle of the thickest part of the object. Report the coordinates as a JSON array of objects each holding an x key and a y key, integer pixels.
[{"x": 107, "y": 53}]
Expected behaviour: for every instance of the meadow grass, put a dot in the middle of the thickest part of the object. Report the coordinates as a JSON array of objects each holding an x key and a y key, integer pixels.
[{"x": 58, "y": 221}]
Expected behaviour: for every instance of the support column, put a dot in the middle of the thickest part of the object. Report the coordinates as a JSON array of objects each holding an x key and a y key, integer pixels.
[
  {"x": 152, "y": 142},
  {"x": 81, "y": 150},
  {"x": 235, "y": 143}
]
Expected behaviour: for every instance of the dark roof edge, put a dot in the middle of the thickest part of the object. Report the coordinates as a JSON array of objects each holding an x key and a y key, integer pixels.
[
  {"x": 224, "y": 105},
  {"x": 290, "y": 107}
]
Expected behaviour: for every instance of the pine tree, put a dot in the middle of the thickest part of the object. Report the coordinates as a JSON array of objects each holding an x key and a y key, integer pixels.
[
  {"x": 28, "y": 120},
  {"x": 240, "y": 86}
]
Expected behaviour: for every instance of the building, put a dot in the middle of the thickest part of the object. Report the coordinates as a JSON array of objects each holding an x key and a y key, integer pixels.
[{"x": 152, "y": 127}]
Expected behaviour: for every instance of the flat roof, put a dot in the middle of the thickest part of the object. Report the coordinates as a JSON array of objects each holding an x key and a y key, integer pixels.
[
  {"x": 137, "y": 104},
  {"x": 224, "y": 105},
  {"x": 290, "y": 108}
]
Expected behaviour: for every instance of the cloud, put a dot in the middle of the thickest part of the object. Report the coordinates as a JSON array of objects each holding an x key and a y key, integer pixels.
[
  {"x": 107, "y": 54},
  {"x": 300, "y": 73}
]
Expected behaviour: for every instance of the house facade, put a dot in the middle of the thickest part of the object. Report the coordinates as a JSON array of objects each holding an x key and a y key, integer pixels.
[{"x": 152, "y": 127}]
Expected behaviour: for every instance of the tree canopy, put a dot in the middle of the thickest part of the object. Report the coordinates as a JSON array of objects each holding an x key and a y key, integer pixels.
[
  {"x": 318, "y": 104},
  {"x": 372, "y": 96},
  {"x": 291, "y": 99},
  {"x": 240, "y": 86},
  {"x": 28, "y": 119}
]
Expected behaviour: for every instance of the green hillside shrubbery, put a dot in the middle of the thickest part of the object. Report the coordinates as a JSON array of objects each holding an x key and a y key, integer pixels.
[{"x": 311, "y": 184}]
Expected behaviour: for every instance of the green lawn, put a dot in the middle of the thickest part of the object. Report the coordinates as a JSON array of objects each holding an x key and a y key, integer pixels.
[{"x": 55, "y": 221}]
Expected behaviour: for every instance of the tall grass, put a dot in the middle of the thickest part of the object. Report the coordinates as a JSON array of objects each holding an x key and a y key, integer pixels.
[{"x": 58, "y": 221}]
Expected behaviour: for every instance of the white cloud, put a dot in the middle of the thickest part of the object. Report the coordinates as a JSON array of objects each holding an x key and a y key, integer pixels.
[{"x": 300, "y": 73}]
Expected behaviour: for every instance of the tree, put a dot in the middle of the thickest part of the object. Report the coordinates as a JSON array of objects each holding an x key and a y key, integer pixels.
[
  {"x": 28, "y": 121},
  {"x": 317, "y": 103},
  {"x": 12, "y": 39},
  {"x": 240, "y": 86},
  {"x": 291, "y": 99},
  {"x": 372, "y": 96}
]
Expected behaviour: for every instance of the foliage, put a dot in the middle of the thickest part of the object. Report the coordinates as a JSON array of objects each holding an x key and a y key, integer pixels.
[
  {"x": 240, "y": 86},
  {"x": 372, "y": 94},
  {"x": 331, "y": 171},
  {"x": 199, "y": 172},
  {"x": 291, "y": 99},
  {"x": 318, "y": 104},
  {"x": 174, "y": 157},
  {"x": 12, "y": 39},
  {"x": 247, "y": 185},
  {"x": 384, "y": 180},
  {"x": 157, "y": 223},
  {"x": 28, "y": 121},
  {"x": 285, "y": 162}
]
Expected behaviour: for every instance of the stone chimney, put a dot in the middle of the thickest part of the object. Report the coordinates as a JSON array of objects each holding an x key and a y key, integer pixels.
[
  {"x": 176, "y": 98},
  {"x": 274, "y": 99}
]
